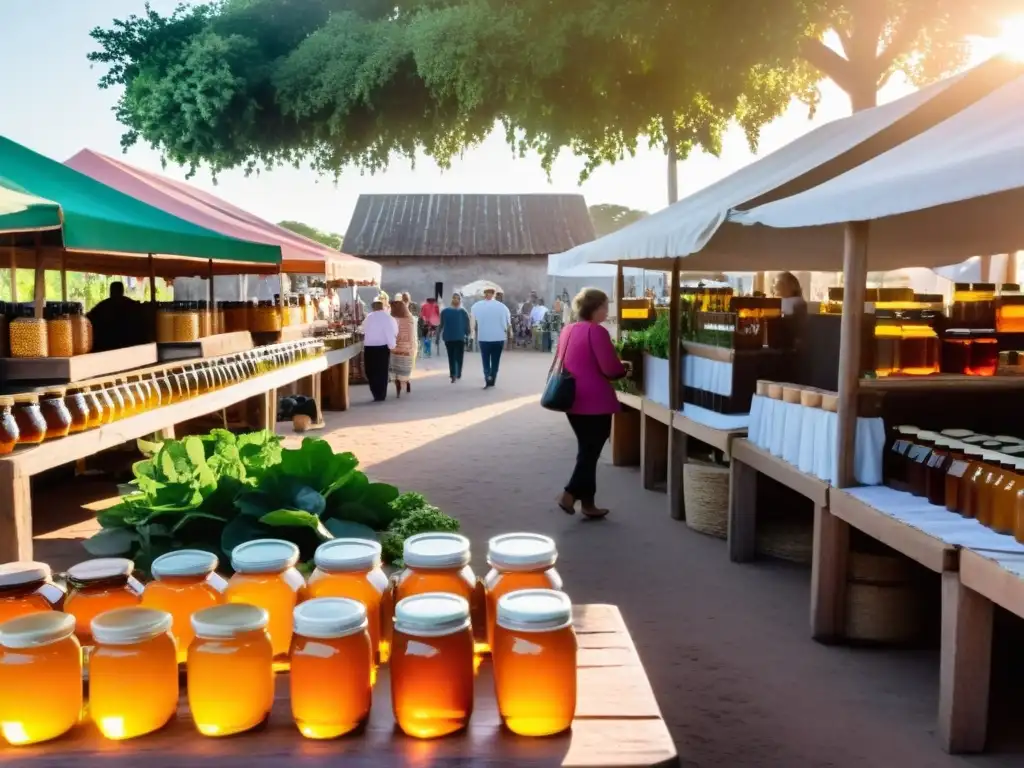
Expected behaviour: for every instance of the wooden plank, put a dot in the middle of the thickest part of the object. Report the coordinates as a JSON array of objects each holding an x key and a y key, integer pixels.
[
  {"x": 994, "y": 582},
  {"x": 630, "y": 401},
  {"x": 709, "y": 351},
  {"x": 716, "y": 438},
  {"x": 855, "y": 274},
  {"x": 657, "y": 412},
  {"x": 828, "y": 576},
  {"x": 620, "y": 744},
  {"x": 964, "y": 667},
  {"x": 15, "y": 515},
  {"x": 945, "y": 382},
  {"x": 626, "y": 435},
  {"x": 929, "y": 551},
  {"x": 80, "y": 367},
  {"x": 210, "y": 346},
  {"x": 742, "y": 531},
  {"x": 806, "y": 485},
  {"x": 654, "y": 445},
  {"x": 677, "y": 452}
]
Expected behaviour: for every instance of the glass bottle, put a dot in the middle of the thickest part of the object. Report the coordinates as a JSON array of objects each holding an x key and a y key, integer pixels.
[
  {"x": 518, "y": 561},
  {"x": 897, "y": 460},
  {"x": 27, "y": 587},
  {"x": 1004, "y": 515},
  {"x": 991, "y": 479},
  {"x": 977, "y": 480},
  {"x": 917, "y": 458},
  {"x": 955, "y": 469},
  {"x": 975, "y": 464},
  {"x": 99, "y": 585},
  {"x": 78, "y": 409},
  {"x": 28, "y": 417},
  {"x": 935, "y": 477},
  {"x": 55, "y": 413}
]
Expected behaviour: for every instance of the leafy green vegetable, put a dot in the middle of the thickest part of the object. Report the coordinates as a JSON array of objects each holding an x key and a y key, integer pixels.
[{"x": 426, "y": 519}]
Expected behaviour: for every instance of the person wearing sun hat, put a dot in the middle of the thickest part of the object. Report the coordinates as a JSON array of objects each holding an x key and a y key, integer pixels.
[{"x": 492, "y": 321}]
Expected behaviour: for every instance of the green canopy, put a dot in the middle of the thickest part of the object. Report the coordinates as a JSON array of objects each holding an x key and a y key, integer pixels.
[
  {"x": 21, "y": 212},
  {"x": 100, "y": 219}
]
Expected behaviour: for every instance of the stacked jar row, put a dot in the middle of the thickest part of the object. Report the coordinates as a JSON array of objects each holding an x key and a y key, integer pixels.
[
  {"x": 30, "y": 418},
  {"x": 974, "y": 475},
  {"x": 229, "y": 636},
  {"x": 268, "y": 316},
  {"x": 62, "y": 331}
]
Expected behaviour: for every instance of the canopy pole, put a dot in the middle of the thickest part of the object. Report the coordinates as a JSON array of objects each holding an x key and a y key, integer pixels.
[
  {"x": 152, "y": 296},
  {"x": 986, "y": 269},
  {"x": 210, "y": 305},
  {"x": 759, "y": 283},
  {"x": 675, "y": 373},
  {"x": 63, "y": 274},
  {"x": 40, "y": 286},
  {"x": 855, "y": 274},
  {"x": 620, "y": 289},
  {"x": 1010, "y": 273},
  {"x": 13, "y": 266}
]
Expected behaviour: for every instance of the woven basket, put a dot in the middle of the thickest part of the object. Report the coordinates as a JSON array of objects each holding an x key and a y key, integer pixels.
[
  {"x": 706, "y": 497},
  {"x": 882, "y": 605},
  {"x": 790, "y": 540}
]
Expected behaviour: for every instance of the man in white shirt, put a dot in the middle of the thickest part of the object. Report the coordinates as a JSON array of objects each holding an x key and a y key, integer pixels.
[
  {"x": 538, "y": 313},
  {"x": 380, "y": 333},
  {"x": 492, "y": 321}
]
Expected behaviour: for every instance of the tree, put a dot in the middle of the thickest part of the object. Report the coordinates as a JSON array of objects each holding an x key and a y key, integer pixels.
[
  {"x": 608, "y": 218},
  {"x": 359, "y": 82},
  {"x": 330, "y": 239}
]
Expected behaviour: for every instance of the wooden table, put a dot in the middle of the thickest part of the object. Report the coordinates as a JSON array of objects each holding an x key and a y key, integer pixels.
[
  {"x": 17, "y": 468},
  {"x": 334, "y": 387},
  {"x": 618, "y": 725},
  {"x": 626, "y": 431}
]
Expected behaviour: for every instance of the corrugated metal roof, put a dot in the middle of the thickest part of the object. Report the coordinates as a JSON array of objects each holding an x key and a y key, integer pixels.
[{"x": 467, "y": 225}]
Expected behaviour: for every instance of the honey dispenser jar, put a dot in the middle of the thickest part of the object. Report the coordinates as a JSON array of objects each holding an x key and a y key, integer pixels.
[
  {"x": 27, "y": 587},
  {"x": 331, "y": 667},
  {"x": 40, "y": 677},
  {"x": 230, "y": 669},
  {"x": 351, "y": 568},
  {"x": 133, "y": 672},
  {"x": 265, "y": 576},
  {"x": 432, "y": 665},
  {"x": 518, "y": 561},
  {"x": 97, "y": 586},
  {"x": 184, "y": 582},
  {"x": 534, "y": 656}
]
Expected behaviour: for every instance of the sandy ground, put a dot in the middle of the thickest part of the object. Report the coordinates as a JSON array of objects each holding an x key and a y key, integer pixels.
[{"x": 726, "y": 647}]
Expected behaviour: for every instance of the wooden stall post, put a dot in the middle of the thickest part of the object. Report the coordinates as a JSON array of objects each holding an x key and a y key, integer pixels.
[
  {"x": 210, "y": 306},
  {"x": 676, "y": 438},
  {"x": 63, "y": 274},
  {"x": 13, "y": 272},
  {"x": 855, "y": 272},
  {"x": 620, "y": 290},
  {"x": 152, "y": 293}
]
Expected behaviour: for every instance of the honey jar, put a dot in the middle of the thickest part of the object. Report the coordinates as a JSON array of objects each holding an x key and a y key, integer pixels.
[
  {"x": 184, "y": 582},
  {"x": 98, "y": 413},
  {"x": 535, "y": 662},
  {"x": 230, "y": 669},
  {"x": 133, "y": 672},
  {"x": 139, "y": 390},
  {"x": 78, "y": 409},
  {"x": 265, "y": 576},
  {"x": 331, "y": 667},
  {"x": 897, "y": 461},
  {"x": 97, "y": 586},
  {"x": 40, "y": 677},
  {"x": 518, "y": 561},
  {"x": 55, "y": 413},
  {"x": 28, "y": 335},
  {"x": 8, "y": 426},
  {"x": 917, "y": 462},
  {"x": 351, "y": 568},
  {"x": 31, "y": 425},
  {"x": 27, "y": 587},
  {"x": 984, "y": 352},
  {"x": 1004, "y": 497},
  {"x": 59, "y": 337},
  {"x": 978, "y": 475},
  {"x": 955, "y": 469},
  {"x": 81, "y": 331},
  {"x": 990, "y": 480},
  {"x": 128, "y": 397},
  {"x": 935, "y": 471},
  {"x": 432, "y": 665}
]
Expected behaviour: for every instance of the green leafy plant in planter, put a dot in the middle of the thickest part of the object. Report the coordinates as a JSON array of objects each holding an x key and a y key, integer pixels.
[
  {"x": 220, "y": 490},
  {"x": 656, "y": 343}
]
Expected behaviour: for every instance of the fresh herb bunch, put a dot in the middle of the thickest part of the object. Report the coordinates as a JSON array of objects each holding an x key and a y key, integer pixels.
[{"x": 657, "y": 339}]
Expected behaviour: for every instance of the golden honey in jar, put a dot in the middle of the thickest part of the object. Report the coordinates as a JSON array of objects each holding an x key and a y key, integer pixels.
[
  {"x": 27, "y": 587},
  {"x": 97, "y": 586},
  {"x": 988, "y": 481},
  {"x": 98, "y": 415},
  {"x": 1004, "y": 497},
  {"x": 978, "y": 472},
  {"x": 59, "y": 335},
  {"x": 351, "y": 568},
  {"x": 432, "y": 665},
  {"x": 81, "y": 331},
  {"x": 28, "y": 417},
  {"x": 139, "y": 390},
  {"x": 184, "y": 581},
  {"x": 974, "y": 456},
  {"x": 230, "y": 669},
  {"x": 265, "y": 576},
  {"x": 28, "y": 336},
  {"x": 534, "y": 657},
  {"x": 40, "y": 677},
  {"x": 78, "y": 409},
  {"x": 518, "y": 561},
  {"x": 133, "y": 672},
  {"x": 8, "y": 426},
  {"x": 128, "y": 397},
  {"x": 55, "y": 413},
  {"x": 955, "y": 469},
  {"x": 331, "y": 667}
]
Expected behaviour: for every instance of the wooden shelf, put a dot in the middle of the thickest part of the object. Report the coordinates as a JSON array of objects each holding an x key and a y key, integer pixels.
[
  {"x": 724, "y": 354},
  {"x": 990, "y": 575},
  {"x": 64, "y": 370},
  {"x": 657, "y": 411},
  {"x": 212, "y": 346},
  {"x": 339, "y": 356},
  {"x": 944, "y": 382},
  {"x": 756, "y": 458},
  {"x": 629, "y": 400},
  {"x": 721, "y": 439}
]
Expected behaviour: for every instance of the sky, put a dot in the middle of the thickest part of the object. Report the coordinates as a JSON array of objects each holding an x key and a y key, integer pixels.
[{"x": 52, "y": 104}]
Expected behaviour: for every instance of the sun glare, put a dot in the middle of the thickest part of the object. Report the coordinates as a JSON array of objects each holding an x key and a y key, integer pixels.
[{"x": 1011, "y": 37}]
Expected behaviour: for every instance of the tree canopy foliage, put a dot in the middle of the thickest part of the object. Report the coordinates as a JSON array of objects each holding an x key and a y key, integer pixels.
[
  {"x": 330, "y": 239},
  {"x": 337, "y": 83},
  {"x": 608, "y": 217}
]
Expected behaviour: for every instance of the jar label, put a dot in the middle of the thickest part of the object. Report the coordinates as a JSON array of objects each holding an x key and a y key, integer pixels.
[
  {"x": 958, "y": 467},
  {"x": 900, "y": 446},
  {"x": 935, "y": 459},
  {"x": 919, "y": 453}
]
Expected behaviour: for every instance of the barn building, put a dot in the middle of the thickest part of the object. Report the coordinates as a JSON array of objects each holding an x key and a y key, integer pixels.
[{"x": 422, "y": 240}]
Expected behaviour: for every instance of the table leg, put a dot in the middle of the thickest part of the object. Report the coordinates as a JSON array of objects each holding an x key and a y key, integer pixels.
[
  {"x": 626, "y": 438},
  {"x": 272, "y": 397},
  {"x": 316, "y": 388},
  {"x": 828, "y": 576},
  {"x": 653, "y": 452},
  {"x": 343, "y": 401},
  {"x": 15, "y": 515},
  {"x": 677, "y": 452},
  {"x": 742, "y": 512},
  {"x": 965, "y": 667}
]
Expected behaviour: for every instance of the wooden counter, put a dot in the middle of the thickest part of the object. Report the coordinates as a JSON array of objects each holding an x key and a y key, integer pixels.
[
  {"x": 334, "y": 389},
  {"x": 618, "y": 725},
  {"x": 17, "y": 468}
]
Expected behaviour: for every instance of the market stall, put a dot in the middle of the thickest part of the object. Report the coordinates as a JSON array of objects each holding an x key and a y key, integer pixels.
[{"x": 946, "y": 496}]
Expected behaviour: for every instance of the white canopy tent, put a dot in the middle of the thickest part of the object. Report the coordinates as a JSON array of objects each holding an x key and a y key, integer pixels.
[{"x": 698, "y": 228}]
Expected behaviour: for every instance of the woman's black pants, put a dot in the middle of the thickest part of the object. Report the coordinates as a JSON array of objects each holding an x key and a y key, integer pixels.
[
  {"x": 592, "y": 432},
  {"x": 375, "y": 362}
]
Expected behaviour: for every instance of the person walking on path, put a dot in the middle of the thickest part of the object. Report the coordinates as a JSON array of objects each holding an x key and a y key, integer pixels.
[
  {"x": 492, "y": 320},
  {"x": 453, "y": 332},
  {"x": 403, "y": 356},
  {"x": 586, "y": 351},
  {"x": 380, "y": 334}
]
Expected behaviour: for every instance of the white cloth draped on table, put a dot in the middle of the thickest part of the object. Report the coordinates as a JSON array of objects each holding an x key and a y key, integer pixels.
[
  {"x": 806, "y": 438},
  {"x": 714, "y": 419},
  {"x": 709, "y": 375},
  {"x": 657, "y": 384}
]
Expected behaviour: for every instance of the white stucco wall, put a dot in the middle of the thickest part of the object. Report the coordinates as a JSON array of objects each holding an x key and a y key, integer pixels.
[{"x": 417, "y": 274}]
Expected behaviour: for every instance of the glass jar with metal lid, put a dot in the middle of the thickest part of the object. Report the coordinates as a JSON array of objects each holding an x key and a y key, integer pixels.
[
  {"x": 55, "y": 413},
  {"x": 27, "y": 587},
  {"x": 31, "y": 424},
  {"x": 99, "y": 585}
]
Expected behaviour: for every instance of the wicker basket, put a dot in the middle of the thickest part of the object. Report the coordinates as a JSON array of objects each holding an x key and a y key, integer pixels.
[
  {"x": 791, "y": 540},
  {"x": 882, "y": 605},
  {"x": 706, "y": 497}
]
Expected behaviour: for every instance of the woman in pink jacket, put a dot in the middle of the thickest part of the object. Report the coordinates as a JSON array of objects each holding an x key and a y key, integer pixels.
[{"x": 587, "y": 353}]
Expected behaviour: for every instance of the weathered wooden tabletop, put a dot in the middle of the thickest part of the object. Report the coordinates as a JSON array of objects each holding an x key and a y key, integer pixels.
[{"x": 618, "y": 725}]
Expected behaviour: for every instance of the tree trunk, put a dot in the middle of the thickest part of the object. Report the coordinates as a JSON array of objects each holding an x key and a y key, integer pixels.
[
  {"x": 673, "y": 160},
  {"x": 863, "y": 92}
]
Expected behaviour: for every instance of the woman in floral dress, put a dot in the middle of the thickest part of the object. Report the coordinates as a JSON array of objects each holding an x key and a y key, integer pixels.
[{"x": 403, "y": 356}]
